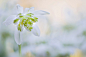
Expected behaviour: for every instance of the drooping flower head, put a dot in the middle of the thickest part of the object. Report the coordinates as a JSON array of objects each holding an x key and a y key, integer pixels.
[{"x": 25, "y": 19}]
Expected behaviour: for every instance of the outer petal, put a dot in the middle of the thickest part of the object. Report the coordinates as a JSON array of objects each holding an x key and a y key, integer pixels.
[
  {"x": 18, "y": 36},
  {"x": 35, "y": 30},
  {"x": 40, "y": 12},
  {"x": 9, "y": 20},
  {"x": 26, "y": 10},
  {"x": 18, "y": 9},
  {"x": 31, "y": 10}
]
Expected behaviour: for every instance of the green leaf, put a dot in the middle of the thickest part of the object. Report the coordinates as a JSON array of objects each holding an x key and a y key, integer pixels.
[{"x": 84, "y": 33}]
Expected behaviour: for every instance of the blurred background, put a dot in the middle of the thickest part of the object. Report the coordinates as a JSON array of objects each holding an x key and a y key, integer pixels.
[{"x": 63, "y": 32}]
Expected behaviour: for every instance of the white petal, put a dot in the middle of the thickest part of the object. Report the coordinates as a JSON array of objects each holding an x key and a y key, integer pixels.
[
  {"x": 26, "y": 10},
  {"x": 40, "y": 12},
  {"x": 31, "y": 10},
  {"x": 18, "y": 9},
  {"x": 18, "y": 36},
  {"x": 9, "y": 20},
  {"x": 35, "y": 30}
]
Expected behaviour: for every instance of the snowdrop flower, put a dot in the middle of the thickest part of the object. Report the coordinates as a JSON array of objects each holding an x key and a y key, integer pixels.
[{"x": 24, "y": 19}]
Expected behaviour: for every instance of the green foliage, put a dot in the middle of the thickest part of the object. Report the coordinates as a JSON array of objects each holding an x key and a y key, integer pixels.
[
  {"x": 48, "y": 54},
  {"x": 65, "y": 55},
  {"x": 84, "y": 33},
  {"x": 42, "y": 42},
  {"x": 5, "y": 34},
  {"x": 68, "y": 27},
  {"x": 68, "y": 45}
]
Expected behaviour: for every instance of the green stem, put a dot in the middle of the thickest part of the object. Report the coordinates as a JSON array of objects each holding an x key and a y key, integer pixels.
[{"x": 19, "y": 49}]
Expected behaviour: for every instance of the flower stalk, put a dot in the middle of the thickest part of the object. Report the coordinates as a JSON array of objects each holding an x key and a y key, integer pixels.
[{"x": 19, "y": 49}]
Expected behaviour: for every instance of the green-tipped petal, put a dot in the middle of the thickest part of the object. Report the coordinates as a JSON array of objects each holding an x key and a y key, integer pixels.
[
  {"x": 20, "y": 27},
  {"x": 9, "y": 20},
  {"x": 16, "y": 21},
  {"x": 35, "y": 30}
]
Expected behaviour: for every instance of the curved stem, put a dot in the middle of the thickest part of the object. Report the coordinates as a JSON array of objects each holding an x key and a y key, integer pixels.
[
  {"x": 19, "y": 46},
  {"x": 19, "y": 49}
]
